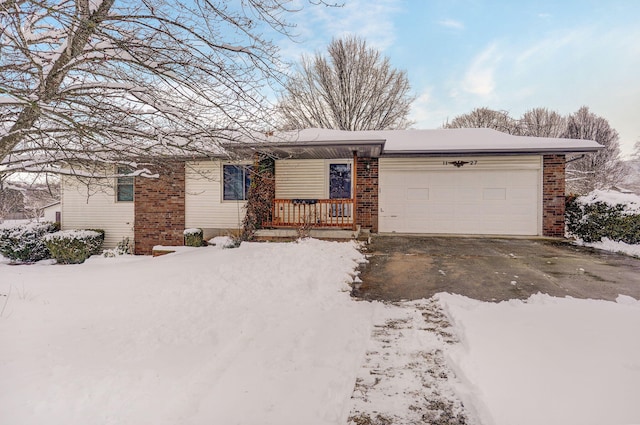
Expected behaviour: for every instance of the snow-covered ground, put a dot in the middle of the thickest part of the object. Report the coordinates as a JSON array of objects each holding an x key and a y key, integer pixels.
[
  {"x": 607, "y": 244},
  {"x": 548, "y": 360},
  {"x": 261, "y": 334},
  {"x": 268, "y": 334}
]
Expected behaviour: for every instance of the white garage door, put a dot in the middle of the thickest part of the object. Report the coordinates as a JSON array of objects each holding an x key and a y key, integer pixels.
[{"x": 490, "y": 196}]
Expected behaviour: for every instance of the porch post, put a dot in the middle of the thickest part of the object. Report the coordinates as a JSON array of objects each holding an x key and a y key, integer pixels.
[{"x": 354, "y": 195}]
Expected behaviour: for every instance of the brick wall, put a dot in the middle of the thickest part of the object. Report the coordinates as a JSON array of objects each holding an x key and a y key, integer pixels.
[
  {"x": 553, "y": 196},
  {"x": 159, "y": 217},
  {"x": 367, "y": 193}
]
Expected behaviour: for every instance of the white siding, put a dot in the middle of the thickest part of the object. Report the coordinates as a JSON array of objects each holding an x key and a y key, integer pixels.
[
  {"x": 204, "y": 206},
  {"x": 304, "y": 178},
  {"x": 96, "y": 209}
]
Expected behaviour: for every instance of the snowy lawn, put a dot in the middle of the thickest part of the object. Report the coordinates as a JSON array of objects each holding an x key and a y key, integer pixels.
[
  {"x": 548, "y": 360},
  {"x": 268, "y": 334},
  {"x": 262, "y": 334}
]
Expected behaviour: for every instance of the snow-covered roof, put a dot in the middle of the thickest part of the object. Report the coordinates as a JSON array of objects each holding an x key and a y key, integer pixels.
[
  {"x": 478, "y": 140},
  {"x": 439, "y": 141}
]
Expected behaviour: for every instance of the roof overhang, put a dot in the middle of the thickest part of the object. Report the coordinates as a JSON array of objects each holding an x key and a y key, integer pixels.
[{"x": 332, "y": 149}]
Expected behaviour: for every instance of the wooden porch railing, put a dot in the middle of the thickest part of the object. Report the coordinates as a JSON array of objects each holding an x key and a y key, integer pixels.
[{"x": 311, "y": 212}]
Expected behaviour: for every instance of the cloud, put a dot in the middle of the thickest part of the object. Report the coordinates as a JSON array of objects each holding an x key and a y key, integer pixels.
[
  {"x": 372, "y": 20},
  {"x": 427, "y": 112},
  {"x": 552, "y": 44},
  {"x": 451, "y": 23},
  {"x": 480, "y": 76}
]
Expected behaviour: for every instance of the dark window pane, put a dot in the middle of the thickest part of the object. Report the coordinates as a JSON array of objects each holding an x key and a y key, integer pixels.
[
  {"x": 237, "y": 179},
  {"x": 339, "y": 181},
  {"x": 247, "y": 181},
  {"x": 232, "y": 183},
  {"x": 124, "y": 186},
  {"x": 125, "y": 193}
]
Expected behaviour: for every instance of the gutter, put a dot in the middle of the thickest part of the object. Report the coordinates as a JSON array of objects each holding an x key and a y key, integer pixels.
[{"x": 458, "y": 152}]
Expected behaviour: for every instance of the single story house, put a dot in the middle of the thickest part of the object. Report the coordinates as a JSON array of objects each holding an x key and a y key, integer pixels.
[{"x": 445, "y": 181}]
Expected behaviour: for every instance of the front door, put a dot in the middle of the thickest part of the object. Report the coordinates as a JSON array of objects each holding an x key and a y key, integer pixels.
[
  {"x": 339, "y": 181},
  {"x": 340, "y": 188}
]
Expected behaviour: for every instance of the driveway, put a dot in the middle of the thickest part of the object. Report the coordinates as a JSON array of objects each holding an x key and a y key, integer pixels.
[{"x": 492, "y": 269}]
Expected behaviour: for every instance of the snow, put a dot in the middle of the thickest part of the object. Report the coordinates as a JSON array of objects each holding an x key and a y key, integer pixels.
[
  {"x": 548, "y": 360},
  {"x": 613, "y": 198},
  {"x": 71, "y": 234},
  {"x": 267, "y": 333},
  {"x": 192, "y": 231},
  {"x": 253, "y": 335},
  {"x": 23, "y": 225},
  {"x": 470, "y": 140},
  {"x": 459, "y": 140},
  {"x": 607, "y": 244}
]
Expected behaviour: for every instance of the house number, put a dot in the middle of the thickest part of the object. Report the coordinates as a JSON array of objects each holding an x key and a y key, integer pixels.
[{"x": 459, "y": 164}]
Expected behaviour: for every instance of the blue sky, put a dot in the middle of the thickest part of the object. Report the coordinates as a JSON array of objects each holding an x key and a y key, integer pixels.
[{"x": 508, "y": 55}]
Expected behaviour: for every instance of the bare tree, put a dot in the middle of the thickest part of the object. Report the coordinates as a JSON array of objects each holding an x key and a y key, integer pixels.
[
  {"x": 485, "y": 118},
  {"x": 600, "y": 170},
  {"x": 11, "y": 199},
  {"x": 120, "y": 80},
  {"x": 542, "y": 122},
  {"x": 353, "y": 88}
]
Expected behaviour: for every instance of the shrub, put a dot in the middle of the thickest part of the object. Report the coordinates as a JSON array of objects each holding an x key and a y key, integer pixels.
[
  {"x": 594, "y": 217},
  {"x": 24, "y": 242},
  {"x": 74, "y": 246},
  {"x": 123, "y": 248},
  {"x": 194, "y": 237}
]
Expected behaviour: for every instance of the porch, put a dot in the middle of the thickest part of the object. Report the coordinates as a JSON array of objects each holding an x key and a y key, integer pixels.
[{"x": 312, "y": 213}]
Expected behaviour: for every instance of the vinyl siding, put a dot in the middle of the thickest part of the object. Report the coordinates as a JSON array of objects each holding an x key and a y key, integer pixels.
[
  {"x": 204, "y": 206},
  {"x": 96, "y": 209},
  {"x": 304, "y": 178}
]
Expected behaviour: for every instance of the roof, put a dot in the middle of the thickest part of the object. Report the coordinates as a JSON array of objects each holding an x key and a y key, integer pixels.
[
  {"x": 479, "y": 140},
  {"x": 53, "y": 204},
  {"x": 324, "y": 143}
]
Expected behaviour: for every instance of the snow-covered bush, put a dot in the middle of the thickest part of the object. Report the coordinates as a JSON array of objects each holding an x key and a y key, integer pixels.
[
  {"x": 604, "y": 214},
  {"x": 24, "y": 242},
  {"x": 74, "y": 246},
  {"x": 193, "y": 237}
]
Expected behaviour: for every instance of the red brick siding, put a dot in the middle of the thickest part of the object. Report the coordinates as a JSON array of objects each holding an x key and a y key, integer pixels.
[
  {"x": 367, "y": 193},
  {"x": 553, "y": 196},
  {"x": 159, "y": 209}
]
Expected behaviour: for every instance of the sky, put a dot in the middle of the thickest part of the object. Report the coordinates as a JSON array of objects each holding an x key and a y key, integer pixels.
[{"x": 507, "y": 55}]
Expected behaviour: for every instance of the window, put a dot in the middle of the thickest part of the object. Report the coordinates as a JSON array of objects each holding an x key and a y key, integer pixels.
[
  {"x": 124, "y": 186},
  {"x": 339, "y": 181},
  {"x": 237, "y": 179}
]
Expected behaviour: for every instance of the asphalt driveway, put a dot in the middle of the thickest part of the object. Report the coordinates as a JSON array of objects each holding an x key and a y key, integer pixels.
[{"x": 492, "y": 269}]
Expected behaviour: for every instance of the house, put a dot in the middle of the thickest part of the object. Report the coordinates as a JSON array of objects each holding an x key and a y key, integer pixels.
[
  {"x": 445, "y": 181},
  {"x": 51, "y": 212}
]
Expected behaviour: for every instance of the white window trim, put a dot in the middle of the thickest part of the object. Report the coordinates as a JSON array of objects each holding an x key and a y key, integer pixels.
[
  {"x": 222, "y": 164},
  {"x": 327, "y": 163}
]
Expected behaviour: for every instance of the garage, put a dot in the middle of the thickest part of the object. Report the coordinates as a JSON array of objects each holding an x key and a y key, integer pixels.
[{"x": 463, "y": 195}]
